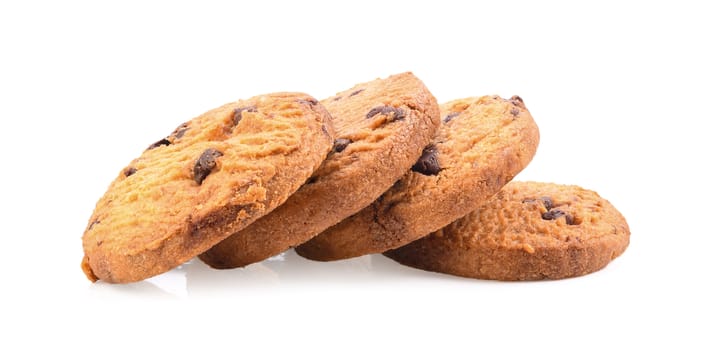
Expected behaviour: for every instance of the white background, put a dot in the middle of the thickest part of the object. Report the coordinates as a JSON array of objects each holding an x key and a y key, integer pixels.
[{"x": 613, "y": 86}]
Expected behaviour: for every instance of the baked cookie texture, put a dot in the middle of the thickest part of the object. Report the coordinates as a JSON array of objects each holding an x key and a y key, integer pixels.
[
  {"x": 381, "y": 127},
  {"x": 212, "y": 176},
  {"x": 482, "y": 143},
  {"x": 528, "y": 231}
]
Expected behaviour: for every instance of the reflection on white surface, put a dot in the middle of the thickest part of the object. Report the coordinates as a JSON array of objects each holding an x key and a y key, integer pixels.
[
  {"x": 286, "y": 270},
  {"x": 289, "y": 272}
]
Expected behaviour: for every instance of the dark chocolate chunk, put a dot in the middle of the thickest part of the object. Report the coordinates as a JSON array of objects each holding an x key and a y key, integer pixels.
[
  {"x": 548, "y": 202},
  {"x": 428, "y": 163},
  {"x": 340, "y": 144},
  {"x": 450, "y": 116},
  {"x": 398, "y": 113},
  {"x": 205, "y": 164},
  {"x": 374, "y": 111},
  {"x": 236, "y": 117},
  {"x": 176, "y": 134},
  {"x": 516, "y": 98},
  {"x": 159, "y": 143},
  {"x": 310, "y": 101},
  {"x": 514, "y": 111},
  {"x": 554, "y": 214},
  {"x": 337, "y": 98},
  {"x": 180, "y": 130},
  {"x": 130, "y": 171},
  {"x": 356, "y": 92},
  {"x": 545, "y": 200}
]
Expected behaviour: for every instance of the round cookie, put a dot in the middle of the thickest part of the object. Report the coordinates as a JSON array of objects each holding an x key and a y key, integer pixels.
[
  {"x": 480, "y": 146},
  {"x": 382, "y": 127},
  {"x": 210, "y": 177},
  {"x": 528, "y": 231}
]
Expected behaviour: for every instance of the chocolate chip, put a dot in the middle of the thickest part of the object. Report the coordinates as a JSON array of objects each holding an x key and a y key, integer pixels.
[
  {"x": 205, "y": 164},
  {"x": 450, "y": 116},
  {"x": 325, "y": 131},
  {"x": 384, "y": 110},
  {"x": 340, "y": 144},
  {"x": 176, "y": 134},
  {"x": 514, "y": 111},
  {"x": 180, "y": 130},
  {"x": 516, "y": 98},
  {"x": 398, "y": 113},
  {"x": 548, "y": 202},
  {"x": 428, "y": 163},
  {"x": 159, "y": 143},
  {"x": 356, "y": 92},
  {"x": 130, "y": 171},
  {"x": 554, "y": 214},
  {"x": 309, "y": 101},
  {"x": 336, "y": 98},
  {"x": 236, "y": 117}
]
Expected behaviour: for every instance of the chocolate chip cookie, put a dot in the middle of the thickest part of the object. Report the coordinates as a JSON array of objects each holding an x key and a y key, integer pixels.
[
  {"x": 212, "y": 176},
  {"x": 382, "y": 127},
  {"x": 481, "y": 145},
  {"x": 528, "y": 231}
]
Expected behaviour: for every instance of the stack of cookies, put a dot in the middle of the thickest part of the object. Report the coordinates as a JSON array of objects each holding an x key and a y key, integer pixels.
[{"x": 378, "y": 168}]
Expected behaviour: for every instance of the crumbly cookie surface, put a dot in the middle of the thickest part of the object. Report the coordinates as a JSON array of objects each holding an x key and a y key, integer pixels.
[
  {"x": 482, "y": 144},
  {"x": 381, "y": 127},
  {"x": 528, "y": 231},
  {"x": 212, "y": 176}
]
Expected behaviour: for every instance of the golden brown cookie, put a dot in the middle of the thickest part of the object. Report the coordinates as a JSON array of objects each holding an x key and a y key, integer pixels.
[
  {"x": 382, "y": 127},
  {"x": 480, "y": 146},
  {"x": 212, "y": 176},
  {"x": 528, "y": 231}
]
